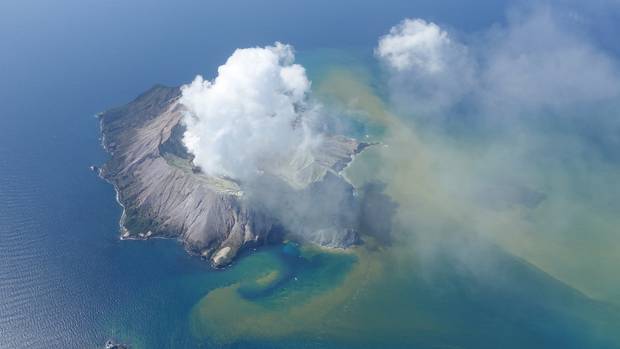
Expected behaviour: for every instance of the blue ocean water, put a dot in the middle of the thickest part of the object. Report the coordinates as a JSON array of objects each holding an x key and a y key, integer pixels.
[{"x": 66, "y": 280}]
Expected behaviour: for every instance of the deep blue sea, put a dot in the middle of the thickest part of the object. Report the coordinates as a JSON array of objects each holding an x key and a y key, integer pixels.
[{"x": 66, "y": 280}]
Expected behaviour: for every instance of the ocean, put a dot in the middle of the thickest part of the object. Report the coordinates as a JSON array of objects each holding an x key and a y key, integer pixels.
[{"x": 66, "y": 280}]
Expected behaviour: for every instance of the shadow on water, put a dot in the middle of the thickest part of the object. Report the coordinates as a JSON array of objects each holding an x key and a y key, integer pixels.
[{"x": 377, "y": 211}]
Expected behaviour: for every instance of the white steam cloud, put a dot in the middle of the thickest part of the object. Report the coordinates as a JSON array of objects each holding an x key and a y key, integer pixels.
[
  {"x": 253, "y": 116},
  {"x": 423, "y": 58},
  {"x": 416, "y": 44},
  {"x": 539, "y": 62}
]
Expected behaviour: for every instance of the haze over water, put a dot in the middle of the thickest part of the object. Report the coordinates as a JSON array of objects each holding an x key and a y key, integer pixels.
[{"x": 67, "y": 280}]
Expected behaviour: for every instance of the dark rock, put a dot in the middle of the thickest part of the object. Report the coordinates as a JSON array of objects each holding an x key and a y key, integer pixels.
[{"x": 111, "y": 344}]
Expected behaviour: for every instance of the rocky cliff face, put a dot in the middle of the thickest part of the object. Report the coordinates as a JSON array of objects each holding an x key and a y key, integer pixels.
[{"x": 164, "y": 195}]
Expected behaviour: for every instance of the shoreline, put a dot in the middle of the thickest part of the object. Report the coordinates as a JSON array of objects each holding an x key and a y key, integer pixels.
[{"x": 122, "y": 230}]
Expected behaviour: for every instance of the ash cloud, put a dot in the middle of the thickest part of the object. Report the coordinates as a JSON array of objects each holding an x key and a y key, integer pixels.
[{"x": 532, "y": 163}]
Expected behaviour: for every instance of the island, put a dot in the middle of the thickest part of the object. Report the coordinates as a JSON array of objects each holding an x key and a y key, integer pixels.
[{"x": 163, "y": 194}]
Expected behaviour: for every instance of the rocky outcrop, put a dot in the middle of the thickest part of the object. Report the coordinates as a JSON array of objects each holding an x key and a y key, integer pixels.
[
  {"x": 111, "y": 344},
  {"x": 164, "y": 195}
]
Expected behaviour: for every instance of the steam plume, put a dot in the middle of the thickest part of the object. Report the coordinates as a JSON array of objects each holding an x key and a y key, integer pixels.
[{"x": 252, "y": 117}]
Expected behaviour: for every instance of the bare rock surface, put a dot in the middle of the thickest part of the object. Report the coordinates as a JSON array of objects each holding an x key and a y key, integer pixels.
[{"x": 164, "y": 195}]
